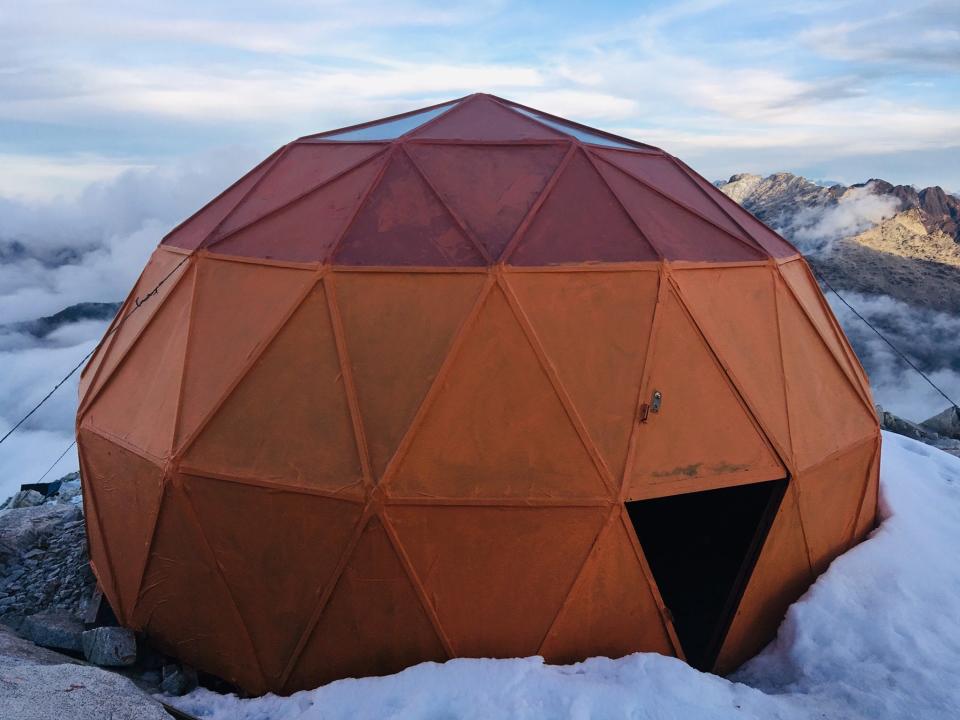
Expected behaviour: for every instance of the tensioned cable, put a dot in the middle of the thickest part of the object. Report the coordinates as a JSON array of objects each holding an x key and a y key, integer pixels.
[
  {"x": 69, "y": 448},
  {"x": 883, "y": 337},
  {"x": 137, "y": 303}
]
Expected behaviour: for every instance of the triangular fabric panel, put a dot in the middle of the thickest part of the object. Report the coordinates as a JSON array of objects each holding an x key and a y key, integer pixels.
[
  {"x": 837, "y": 484},
  {"x": 303, "y": 167},
  {"x": 403, "y": 223},
  {"x": 307, "y": 229},
  {"x": 491, "y": 188},
  {"x": 195, "y": 231},
  {"x": 805, "y": 287},
  {"x": 867, "y": 519},
  {"x": 398, "y": 330},
  {"x": 764, "y": 236},
  {"x": 781, "y": 575},
  {"x": 824, "y": 388},
  {"x": 161, "y": 263},
  {"x": 736, "y": 310},
  {"x": 151, "y": 374},
  {"x": 496, "y": 576},
  {"x": 484, "y": 119},
  {"x": 701, "y": 429},
  {"x": 237, "y": 306},
  {"x": 672, "y": 229},
  {"x": 288, "y": 420},
  {"x": 561, "y": 232},
  {"x": 517, "y": 421},
  {"x": 374, "y": 622},
  {"x": 278, "y": 573},
  {"x": 128, "y": 490},
  {"x": 665, "y": 175},
  {"x": 594, "y": 328},
  {"x": 211, "y": 635},
  {"x": 611, "y": 609},
  {"x": 96, "y": 546}
]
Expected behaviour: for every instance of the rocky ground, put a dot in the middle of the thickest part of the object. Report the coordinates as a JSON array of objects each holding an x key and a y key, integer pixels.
[{"x": 56, "y": 629}]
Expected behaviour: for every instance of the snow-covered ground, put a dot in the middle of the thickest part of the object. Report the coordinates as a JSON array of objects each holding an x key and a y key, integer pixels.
[{"x": 877, "y": 636}]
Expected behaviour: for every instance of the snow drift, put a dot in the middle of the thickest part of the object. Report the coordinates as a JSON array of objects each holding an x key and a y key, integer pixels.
[{"x": 876, "y": 637}]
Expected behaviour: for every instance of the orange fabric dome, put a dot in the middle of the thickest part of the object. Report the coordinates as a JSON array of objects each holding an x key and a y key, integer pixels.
[{"x": 470, "y": 381}]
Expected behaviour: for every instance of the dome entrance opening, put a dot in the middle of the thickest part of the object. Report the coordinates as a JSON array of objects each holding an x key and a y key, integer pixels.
[{"x": 701, "y": 548}]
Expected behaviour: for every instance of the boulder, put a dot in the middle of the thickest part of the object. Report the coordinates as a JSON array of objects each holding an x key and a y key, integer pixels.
[
  {"x": 110, "y": 646},
  {"x": 26, "y": 498},
  {"x": 178, "y": 680},
  {"x": 58, "y": 630}
]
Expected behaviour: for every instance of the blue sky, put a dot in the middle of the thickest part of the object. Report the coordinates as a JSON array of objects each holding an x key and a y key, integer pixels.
[{"x": 842, "y": 90}]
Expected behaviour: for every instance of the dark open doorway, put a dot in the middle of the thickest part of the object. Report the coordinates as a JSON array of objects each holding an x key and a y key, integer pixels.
[{"x": 701, "y": 548}]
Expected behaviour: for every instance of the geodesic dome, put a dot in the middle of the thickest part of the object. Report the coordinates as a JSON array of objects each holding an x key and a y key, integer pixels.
[{"x": 470, "y": 381}]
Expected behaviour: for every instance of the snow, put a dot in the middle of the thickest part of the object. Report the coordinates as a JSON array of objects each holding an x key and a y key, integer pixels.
[{"x": 877, "y": 636}]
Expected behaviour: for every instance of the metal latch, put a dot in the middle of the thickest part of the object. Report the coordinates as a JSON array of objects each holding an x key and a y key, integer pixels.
[{"x": 651, "y": 407}]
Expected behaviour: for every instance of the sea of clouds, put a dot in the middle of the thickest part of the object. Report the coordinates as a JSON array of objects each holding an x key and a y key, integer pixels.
[{"x": 89, "y": 248}]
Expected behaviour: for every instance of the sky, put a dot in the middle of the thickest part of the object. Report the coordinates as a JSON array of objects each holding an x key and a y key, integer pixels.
[{"x": 839, "y": 90}]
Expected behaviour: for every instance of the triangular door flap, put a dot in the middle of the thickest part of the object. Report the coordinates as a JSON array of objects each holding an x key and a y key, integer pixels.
[
  {"x": 308, "y": 228},
  {"x": 193, "y": 232},
  {"x": 674, "y": 231},
  {"x": 490, "y": 187},
  {"x": 127, "y": 490},
  {"x": 701, "y": 428},
  {"x": 277, "y": 551},
  {"x": 288, "y": 420},
  {"x": 594, "y": 328},
  {"x": 495, "y": 426},
  {"x": 665, "y": 175},
  {"x": 185, "y": 607},
  {"x": 736, "y": 309},
  {"x": 484, "y": 119},
  {"x": 830, "y": 498},
  {"x": 702, "y": 548},
  {"x": 780, "y": 576},
  {"x": 398, "y": 329},
  {"x": 301, "y": 168},
  {"x": 496, "y": 576},
  {"x": 374, "y": 622},
  {"x": 611, "y": 610},
  {"x": 402, "y": 222},
  {"x": 237, "y": 307},
  {"x": 580, "y": 221},
  {"x": 138, "y": 405}
]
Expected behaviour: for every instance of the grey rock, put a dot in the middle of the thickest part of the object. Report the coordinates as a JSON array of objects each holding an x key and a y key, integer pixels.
[
  {"x": 58, "y": 630},
  {"x": 110, "y": 646},
  {"x": 26, "y": 498},
  {"x": 39, "y": 684},
  {"x": 178, "y": 680},
  {"x": 946, "y": 423}
]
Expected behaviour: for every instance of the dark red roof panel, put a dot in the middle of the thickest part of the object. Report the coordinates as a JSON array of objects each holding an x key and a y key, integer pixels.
[
  {"x": 490, "y": 188},
  {"x": 300, "y": 169},
  {"x": 482, "y": 118},
  {"x": 191, "y": 234},
  {"x": 581, "y": 221},
  {"x": 306, "y": 229},
  {"x": 665, "y": 175},
  {"x": 676, "y": 232},
  {"x": 404, "y": 223}
]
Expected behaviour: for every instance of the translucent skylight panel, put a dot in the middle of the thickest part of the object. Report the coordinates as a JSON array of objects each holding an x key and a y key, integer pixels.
[
  {"x": 390, "y": 129},
  {"x": 579, "y": 133}
]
